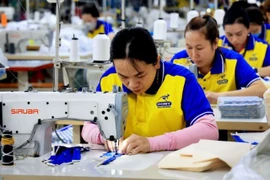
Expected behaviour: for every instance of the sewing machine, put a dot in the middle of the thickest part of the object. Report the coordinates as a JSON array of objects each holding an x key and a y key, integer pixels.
[
  {"x": 31, "y": 115},
  {"x": 21, "y": 39}
]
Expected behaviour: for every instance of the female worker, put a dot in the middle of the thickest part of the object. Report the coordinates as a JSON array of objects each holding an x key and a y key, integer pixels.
[
  {"x": 237, "y": 37},
  {"x": 221, "y": 72},
  {"x": 93, "y": 26},
  {"x": 257, "y": 26},
  {"x": 266, "y": 10},
  {"x": 167, "y": 107}
]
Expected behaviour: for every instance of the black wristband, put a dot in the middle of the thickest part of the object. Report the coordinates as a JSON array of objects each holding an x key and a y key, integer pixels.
[{"x": 256, "y": 70}]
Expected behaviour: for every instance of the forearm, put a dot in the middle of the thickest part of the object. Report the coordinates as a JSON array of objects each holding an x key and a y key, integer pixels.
[
  {"x": 91, "y": 134},
  {"x": 264, "y": 71},
  {"x": 255, "y": 89},
  {"x": 204, "y": 128},
  {"x": 111, "y": 35}
]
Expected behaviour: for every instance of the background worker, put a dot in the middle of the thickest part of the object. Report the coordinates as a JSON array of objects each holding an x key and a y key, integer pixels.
[
  {"x": 238, "y": 37},
  {"x": 92, "y": 25},
  {"x": 221, "y": 72}
]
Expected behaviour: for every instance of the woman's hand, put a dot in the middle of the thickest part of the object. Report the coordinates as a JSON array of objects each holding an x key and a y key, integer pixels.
[
  {"x": 134, "y": 144},
  {"x": 110, "y": 145},
  {"x": 212, "y": 97}
]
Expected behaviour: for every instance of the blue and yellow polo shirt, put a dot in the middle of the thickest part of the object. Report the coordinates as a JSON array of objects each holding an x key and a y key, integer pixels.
[
  {"x": 174, "y": 101},
  {"x": 265, "y": 34},
  {"x": 256, "y": 52},
  {"x": 102, "y": 27},
  {"x": 229, "y": 71}
]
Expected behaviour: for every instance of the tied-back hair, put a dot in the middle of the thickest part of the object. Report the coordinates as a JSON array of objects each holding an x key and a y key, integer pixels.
[
  {"x": 206, "y": 25},
  {"x": 92, "y": 9},
  {"x": 134, "y": 44},
  {"x": 236, "y": 14},
  {"x": 266, "y": 6},
  {"x": 255, "y": 15}
]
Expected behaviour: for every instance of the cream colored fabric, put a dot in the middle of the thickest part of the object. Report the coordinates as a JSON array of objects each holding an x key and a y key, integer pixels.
[{"x": 205, "y": 155}]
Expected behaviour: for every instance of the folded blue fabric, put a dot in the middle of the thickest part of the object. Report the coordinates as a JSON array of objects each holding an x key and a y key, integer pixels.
[{"x": 65, "y": 155}]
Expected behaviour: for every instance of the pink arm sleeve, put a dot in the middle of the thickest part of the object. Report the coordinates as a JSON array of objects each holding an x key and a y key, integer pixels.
[
  {"x": 204, "y": 128},
  {"x": 91, "y": 134}
]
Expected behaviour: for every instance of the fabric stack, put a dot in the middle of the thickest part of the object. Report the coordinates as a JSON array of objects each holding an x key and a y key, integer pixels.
[
  {"x": 248, "y": 107},
  {"x": 205, "y": 155},
  {"x": 63, "y": 135}
]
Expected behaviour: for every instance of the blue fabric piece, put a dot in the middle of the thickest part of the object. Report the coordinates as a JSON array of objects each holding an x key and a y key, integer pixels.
[
  {"x": 108, "y": 154},
  {"x": 109, "y": 157},
  {"x": 66, "y": 155},
  {"x": 237, "y": 138},
  {"x": 76, "y": 154}
]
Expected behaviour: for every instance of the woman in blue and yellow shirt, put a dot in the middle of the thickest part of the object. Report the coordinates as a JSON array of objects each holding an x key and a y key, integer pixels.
[
  {"x": 167, "y": 108},
  {"x": 92, "y": 25},
  {"x": 257, "y": 27},
  {"x": 238, "y": 37},
  {"x": 221, "y": 72}
]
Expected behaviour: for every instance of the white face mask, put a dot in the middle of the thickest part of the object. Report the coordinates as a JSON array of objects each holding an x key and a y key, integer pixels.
[{"x": 90, "y": 26}]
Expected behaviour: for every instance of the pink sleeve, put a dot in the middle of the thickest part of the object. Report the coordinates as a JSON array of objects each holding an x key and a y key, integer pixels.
[
  {"x": 91, "y": 134},
  {"x": 204, "y": 128}
]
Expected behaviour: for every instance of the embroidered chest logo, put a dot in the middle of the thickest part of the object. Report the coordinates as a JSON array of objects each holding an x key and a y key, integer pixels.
[
  {"x": 163, "y": 102},
  {"x": 253, "y": 57},
  {"x": 222, "y": 80}
]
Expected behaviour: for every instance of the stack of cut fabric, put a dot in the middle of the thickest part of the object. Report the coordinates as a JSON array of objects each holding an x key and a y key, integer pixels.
[
  {"x": 246, "y": 107},
  {"x": 205, "y": 155},
  {"x": 63, "y": 135}
]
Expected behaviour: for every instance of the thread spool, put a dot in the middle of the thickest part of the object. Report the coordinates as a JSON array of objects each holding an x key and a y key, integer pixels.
[
  {"x": 219, "y": 15},
  {"x": 11, "y": 48},
  {"x": 174, "y": 18},
  {"x": 74, "y": 50},
  {"x": 101, "y": 48},
  {"x": 192, "y": 14},
  {"x": 4, "y": 19},
  {"x": 266, "y": 97},
  {"x": 36, "y": 16},
  {"x": 7, "y": 142},
  {"x": 139, "y": 24},
  {"x": 160, "y": 29}
]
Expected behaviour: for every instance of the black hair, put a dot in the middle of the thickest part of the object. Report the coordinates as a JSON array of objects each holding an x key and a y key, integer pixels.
[
  {"x": 134, "y": 43},
  {"x": 236, "y": 14},
  {"x": 266, "y": 6},
  {"x": 255, "y": 15},
  {"x": 91, "y": 8},
  {"x": 206, "y": 25},
  {"x": 240, "y": 4}
]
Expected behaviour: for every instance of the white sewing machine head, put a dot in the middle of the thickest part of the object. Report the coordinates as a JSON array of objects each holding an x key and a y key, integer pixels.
[
  {"x": 31, "y": 115},
  {"x": 21, "y": 38}
]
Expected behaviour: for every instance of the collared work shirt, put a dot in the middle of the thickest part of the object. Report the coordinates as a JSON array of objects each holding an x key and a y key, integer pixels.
[
  {"x": 177, "y": 102},
  {"x": 229, "y": 71}
]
